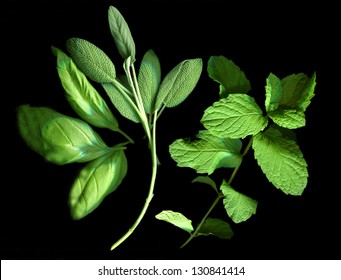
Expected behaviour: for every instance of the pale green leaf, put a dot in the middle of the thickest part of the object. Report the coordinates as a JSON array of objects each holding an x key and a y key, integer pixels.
[
  {"x": 149, "y": 80},
  {"x": 207, "y": 154},
  {"x": 122, "y": 102},
  {"x": 175, "y": 218},
  {"x": 179, "y": 83},
  {"x": 97, "y": 180},
  {"x": 228, "y": 75},
  {"x": 58, "y": 138},
  {"x": 281, "y": 160},
  {"x": 82, "y": 96},
  {"x": 205, "y": 180},
  {"x": 235, "y": 116},
  {"x": 238, "y": 206},
  {"x": 91, "y": 60},
  {"x": 217, "y": 227},
  {"x": 288, "y": 118},
  {"x": 121, "y": 33}
]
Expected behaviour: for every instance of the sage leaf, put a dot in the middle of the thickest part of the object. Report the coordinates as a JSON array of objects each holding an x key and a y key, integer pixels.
[
  {"x": 149, "y": 80},
  {"x": 238, "y": 206},
  {"x": 207, "y": 153},
  {"x": 91, "y": 60},
  {"x": 287, "y": 99},
  {"x": 235, "y": 116},
  {"x": 122, "y": 102},
  {"x": 217, "y": 227},
  {"x": 82, "y": 96},
  {"x": 228, "y": 75},
  {"x": 58, "y": 138},
  {"x": 121, "y": 33},
  {"x": 96, "y": 181},
  {"x": 281, "y": 160},
  {"x": 179, "y": 83},
  {"x": 177, "y": 219},
  {"x": 205, "y": 180}
]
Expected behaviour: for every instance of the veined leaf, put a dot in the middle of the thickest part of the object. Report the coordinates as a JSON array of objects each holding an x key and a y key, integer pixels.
[
  {"x": 281, "y": 160},
  {"x": 121, "y": 33},
  {"x": 228, "y": 75},
  {"x": 97, "y": 180},
  {"x": 288, "y": 118},
  {"x": 235, "y": 116},
  {"x": 179, "y": 83},
  {"x": 82, "y": 96},
  {"x": 91, "y": 60},
  {"x": 207, "y": 154},
  {"x": 149, "y": 80},
  {"x": 177, "y": 219},
  {"x": 217, "y": 227},
  {"x": 122, "y": 102},
  {"x": 58, "y": 138},
  {"x": 238, "y": 206}
]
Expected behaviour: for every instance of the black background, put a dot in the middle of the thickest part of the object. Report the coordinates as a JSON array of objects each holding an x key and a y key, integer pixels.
[{"x": 278, "y": 38}]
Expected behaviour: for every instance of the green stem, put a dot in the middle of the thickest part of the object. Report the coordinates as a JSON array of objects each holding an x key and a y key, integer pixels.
[{"x": 220, "y": 195}]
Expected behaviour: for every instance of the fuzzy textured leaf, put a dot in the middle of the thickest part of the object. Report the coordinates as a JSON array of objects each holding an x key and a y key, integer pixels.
[
  {"x": 58, "y": 138},
  {"x": 235, "y": 116},
  {"x": 121, "y": 33},
  {"x": 179, "y": 83},
  {"x": 228, "y": 75},
  {"x": 238, "y": 206},
  {"x": 217, "y": 227},
  {"x": 149, "y": 80},
  {"x": 97, "y": 180},
  {"x": 281, "y": 160},
  {"x": 91, "y": 60},
  {"x": 207, "y": 153},
  {"x": 177, "y": 219},
  {"x": 82, "y": 96}
]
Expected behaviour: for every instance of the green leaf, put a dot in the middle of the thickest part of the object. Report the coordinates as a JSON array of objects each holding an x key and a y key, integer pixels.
[
  {"x": 122, "y": 102},
  {"x": 235, "y": 116},
  {"x": 121, "y": 33},
  {"x": 97, "y": 180},
  {"x": 177, "y": 219},
  {"x": 287, "y": 99},
  {"x": 58, "y": 138},
  {"x": 281, "y": 160},
  {"x": 149, "y": 80},
  {"x": 205, "y": 180},
  {"x": 238, "y": 206},
  {"x": 179, "y": 83},
  {"x": 228, "y": 75},
  {"x": 206, "y": 154},
  {"x": 91, "y": 60},
  {"x": 82, "y": 96},
  {"x": 217, "y": 227}
]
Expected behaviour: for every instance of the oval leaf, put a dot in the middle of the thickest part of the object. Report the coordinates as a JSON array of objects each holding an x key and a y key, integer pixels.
[
  {"x": 91, "y": 60},
  {"x": 58, "y": 138},
  {"x": 179, "y": 83},
  {"x": 121, "y": 33},
  {"x": 177, "y": 219},
  {"x": 217, "y": 227},
  {"x": 82, "y": 96},
  {"x": 97, "y": 180}
]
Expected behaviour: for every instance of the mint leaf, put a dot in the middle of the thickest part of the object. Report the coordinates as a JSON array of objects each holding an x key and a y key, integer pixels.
[
  {"x": 179, "y": 83},
  {"x": 121, "y": 33},
  {"x": 206, "y": 154},
  {"x": 239, "y": 207},
  {"x": 91, "y": 60},
  {"x": 235, "y": 116},
  {"x": 177, "y": 219},
  {"x": 205, "y": 180},
  {"x": 281, "y": 160},
  {"x": 217, "y": 227},
  {"x": 58, "y": 138},
  {"x": 149, "y": 80},
  {"x": 228, "y": 75},
  {"x": 82, "y": 96},
  {"x": 97, "y": 180}
]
